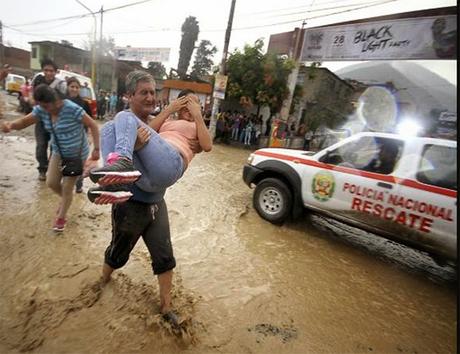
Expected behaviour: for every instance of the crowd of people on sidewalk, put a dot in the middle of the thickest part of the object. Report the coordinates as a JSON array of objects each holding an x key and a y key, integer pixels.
[
  {"x": 109, "y": 104},
  {"x": 239, "y": 127}
]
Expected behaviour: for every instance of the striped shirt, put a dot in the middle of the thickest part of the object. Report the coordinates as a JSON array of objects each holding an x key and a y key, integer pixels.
[{"x": 68, "y": 129}]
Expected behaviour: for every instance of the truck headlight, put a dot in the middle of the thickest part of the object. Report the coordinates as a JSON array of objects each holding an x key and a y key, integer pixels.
[{"x": 250, "y": 159}]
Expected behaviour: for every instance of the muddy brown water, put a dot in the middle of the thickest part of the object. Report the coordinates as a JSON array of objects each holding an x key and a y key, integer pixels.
[{"x": 241, "y": 285}]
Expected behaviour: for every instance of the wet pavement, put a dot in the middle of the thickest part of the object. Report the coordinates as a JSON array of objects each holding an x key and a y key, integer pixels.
[{"x": 241, "y": 284}]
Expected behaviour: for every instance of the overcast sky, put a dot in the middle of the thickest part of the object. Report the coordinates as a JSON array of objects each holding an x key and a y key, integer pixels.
[{"x": 157, "y": 23}]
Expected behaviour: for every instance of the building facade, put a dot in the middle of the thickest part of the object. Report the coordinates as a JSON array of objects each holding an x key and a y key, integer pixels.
[
  {"x": 111, "y": 72},
  {"x": 19, "y": 60},
  {"x": 326, "y": 99}
]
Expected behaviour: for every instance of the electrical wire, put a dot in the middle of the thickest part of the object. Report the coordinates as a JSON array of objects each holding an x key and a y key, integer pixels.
[
  {"x": 313, "y": 17},
  {"x": 79, "y": 16},
  {"x": 127, "y": 5},
  {"x": 296, "y": 7},
  {"x": 323, "y": 9},
  {"x": 301, "y": 19},
  {"x": 51, "y": 20},
  {"x": 214, "y": 30}
]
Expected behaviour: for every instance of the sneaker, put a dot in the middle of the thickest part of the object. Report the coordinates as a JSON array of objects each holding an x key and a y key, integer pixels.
[
  {"x": 112, "y": 194},
  {"x": 59, "y": 224},
  {"x": 42, "y": 176},
  {"x": 121, "y": 171}
]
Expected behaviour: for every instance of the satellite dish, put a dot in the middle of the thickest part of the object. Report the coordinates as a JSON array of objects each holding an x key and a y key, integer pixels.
[{"x": 378, "y": 109}]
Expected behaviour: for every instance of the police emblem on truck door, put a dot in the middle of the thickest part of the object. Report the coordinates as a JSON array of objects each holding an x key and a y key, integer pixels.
[{"x": 322, "y": 186}]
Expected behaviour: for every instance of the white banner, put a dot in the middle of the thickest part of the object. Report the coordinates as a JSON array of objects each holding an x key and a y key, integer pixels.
[
  {"x": 220, "y": 85},
  {"x": 414, "y": 38}
]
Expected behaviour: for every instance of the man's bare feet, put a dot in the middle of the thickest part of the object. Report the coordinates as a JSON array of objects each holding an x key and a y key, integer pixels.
[
  {"x": 173, "y": 319},
  {"x": 106, "y": 273}
]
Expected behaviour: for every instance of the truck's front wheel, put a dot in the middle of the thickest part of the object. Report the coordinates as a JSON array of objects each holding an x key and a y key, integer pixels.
[{"x": 273, "y": 200}]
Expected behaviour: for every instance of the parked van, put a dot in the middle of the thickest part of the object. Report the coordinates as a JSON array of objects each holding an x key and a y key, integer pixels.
[
  {"x": 87, "y": 93},
  {"x": 13, "y": 83}
]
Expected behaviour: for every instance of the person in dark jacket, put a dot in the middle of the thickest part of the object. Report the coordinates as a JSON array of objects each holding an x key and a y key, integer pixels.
[{"x": 42, "y": 137}]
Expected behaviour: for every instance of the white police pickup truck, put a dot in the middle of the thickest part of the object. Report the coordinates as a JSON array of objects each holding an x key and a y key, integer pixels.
[{"x": 403, "y": 188}]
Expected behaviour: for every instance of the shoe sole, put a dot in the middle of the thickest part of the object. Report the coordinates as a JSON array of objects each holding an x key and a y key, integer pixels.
[
  {"x": 57, "y": 229},
  {"x": 106, "y": 197},
  {"x": 108, "y": 178}
]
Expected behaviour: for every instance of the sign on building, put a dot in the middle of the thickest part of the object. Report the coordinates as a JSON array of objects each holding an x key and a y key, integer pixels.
[
  {"x": 432, "y": 37},
  {"x": 143, "y": 54}
]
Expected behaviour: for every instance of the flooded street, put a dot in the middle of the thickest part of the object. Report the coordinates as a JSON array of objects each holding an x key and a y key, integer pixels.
[{"x": 241, "y": 284}]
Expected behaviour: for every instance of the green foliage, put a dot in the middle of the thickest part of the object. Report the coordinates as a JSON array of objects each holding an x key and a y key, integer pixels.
[
  {"x": 257, "y": 78},
  {"x": 203, "y": 59},
  {"x": 156, "y": 69},
  {"x": 103, "y": 48},
  {"x": 311, "y": 72},
  {"x": 106, "y": 47},
  {"x": 190, "y": 31},
  {"x": 66, "y": 42},
  {"x": 318, "y": 115}
]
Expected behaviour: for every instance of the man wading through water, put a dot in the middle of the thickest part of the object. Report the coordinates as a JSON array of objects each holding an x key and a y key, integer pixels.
[{"x": 145, "y": 213}]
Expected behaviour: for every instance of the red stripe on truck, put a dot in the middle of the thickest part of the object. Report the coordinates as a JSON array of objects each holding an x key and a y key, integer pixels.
[{"x": 352, "y": 171}]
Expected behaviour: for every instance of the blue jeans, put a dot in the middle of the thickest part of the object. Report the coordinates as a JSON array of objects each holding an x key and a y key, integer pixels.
[
  {"x": 42, "y": 138},
  {"x": 160, "y": 164},
  {"x": 247, "y": 137},
  {"x": 235, "y": 133}
]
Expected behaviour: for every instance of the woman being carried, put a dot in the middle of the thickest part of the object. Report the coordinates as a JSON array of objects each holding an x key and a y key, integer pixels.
[{"x": 163, "y": 159}]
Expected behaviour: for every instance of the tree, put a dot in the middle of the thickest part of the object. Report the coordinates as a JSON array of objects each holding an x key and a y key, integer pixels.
[
  {"x": 106, "y": 46},
  {"x": 190, "y": 30},
  {"x": 103, "y": 48},
  {"x": 203, "y": 62},
  {"x": 257, "y": 78},
  {"x": 331, "y": 115},
  {"x": 66, "y": 42},
  {"x": 156, "y": 69},
  {"x": 245, "y": 73}
]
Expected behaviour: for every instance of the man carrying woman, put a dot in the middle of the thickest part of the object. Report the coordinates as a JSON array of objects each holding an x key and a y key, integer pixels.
[{"x": 145, "y": 213}]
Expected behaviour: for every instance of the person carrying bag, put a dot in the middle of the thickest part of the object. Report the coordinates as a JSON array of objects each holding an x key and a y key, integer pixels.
[{"x": 65, "y": 122}]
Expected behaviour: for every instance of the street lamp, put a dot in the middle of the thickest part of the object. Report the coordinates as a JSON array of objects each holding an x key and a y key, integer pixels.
[{"x": 93, "y": 61}]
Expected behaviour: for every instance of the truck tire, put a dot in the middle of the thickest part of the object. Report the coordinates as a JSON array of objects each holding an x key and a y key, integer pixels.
[{"x": 273, "y": 200}]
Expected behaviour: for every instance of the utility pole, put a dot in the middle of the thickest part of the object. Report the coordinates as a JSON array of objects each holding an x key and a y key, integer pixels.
[
  {"x": 99, "y": 71},
  {"x": 2, "y": 50},
  {"x": 292, "y": 79},
  {"x": 216, "y": 102},
  {"x": 93, "y": 48}
]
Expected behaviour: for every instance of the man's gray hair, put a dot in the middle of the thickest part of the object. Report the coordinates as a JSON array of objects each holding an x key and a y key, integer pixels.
[{"x": 136, "y": 76}]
